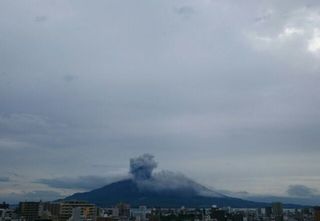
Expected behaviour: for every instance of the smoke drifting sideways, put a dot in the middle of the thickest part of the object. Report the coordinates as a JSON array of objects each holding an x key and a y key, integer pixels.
[{"x": 141, "y": 167}]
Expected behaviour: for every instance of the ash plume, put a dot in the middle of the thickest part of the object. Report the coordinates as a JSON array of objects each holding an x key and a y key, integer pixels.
[
  {"x": 141, "y": 167},
  {"x": 177, "y": 182}
]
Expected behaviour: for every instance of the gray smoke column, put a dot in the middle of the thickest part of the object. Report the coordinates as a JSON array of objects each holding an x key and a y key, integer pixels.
[{"x": 141, "y": 167}]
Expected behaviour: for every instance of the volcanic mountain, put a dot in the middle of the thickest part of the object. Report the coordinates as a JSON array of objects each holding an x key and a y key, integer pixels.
[{"x": 162, "y": 189}]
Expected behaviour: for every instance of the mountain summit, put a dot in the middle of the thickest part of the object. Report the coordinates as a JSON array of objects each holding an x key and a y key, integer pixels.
[{"x": 161, "y": 189}]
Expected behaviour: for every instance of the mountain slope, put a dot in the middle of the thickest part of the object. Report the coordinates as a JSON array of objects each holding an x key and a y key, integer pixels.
[{"x": 128, "y": 191}]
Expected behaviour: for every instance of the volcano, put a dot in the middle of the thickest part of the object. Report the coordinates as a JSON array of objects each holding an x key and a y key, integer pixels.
[
  {"x": 162, "y": 189},
  {"x": 128, "y": 191}
]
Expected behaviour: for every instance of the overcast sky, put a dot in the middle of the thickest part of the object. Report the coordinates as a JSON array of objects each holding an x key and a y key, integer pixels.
[{"x": 226, "y": 92}]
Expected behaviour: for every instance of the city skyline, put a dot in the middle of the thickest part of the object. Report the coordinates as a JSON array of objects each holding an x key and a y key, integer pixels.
[{"x": 226, "y": 93}]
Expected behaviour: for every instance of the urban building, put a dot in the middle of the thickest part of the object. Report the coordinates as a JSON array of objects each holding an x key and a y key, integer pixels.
[
  {"x": 4, "y": 205},
  {"x": 6, "y": 214},
  {"x": 139, "y": 214},
  {"x": 218, "y": 214},
  {"x": 53, "y": 209},
  {"x": 268, "y": 211},
  {"x": 123, "y": 209},
  {"x": 29, "y": 210},
  {"x": 88, "y": 211},
  {"x": 316, "y": 213},
  {"x": 277, "y": 211},
  {"x": 237, "y": 217}
]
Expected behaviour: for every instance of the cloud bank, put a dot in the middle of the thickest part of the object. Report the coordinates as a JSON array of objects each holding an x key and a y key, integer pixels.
[
  {"x": 31, "y": 196},
  {"x": 295, "y": 194},
  {"x": 4, "y": 179},
  {"x": 301, "y": 191},
  {"x": 81, "y": 182},
  {"x": 210, "y": 87}
]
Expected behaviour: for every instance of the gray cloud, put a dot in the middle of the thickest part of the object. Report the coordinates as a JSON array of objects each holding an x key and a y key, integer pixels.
[
  {"x": 185, "y": 10},
  {"x": 41, "y": 18},
  {"x": 69, "y": 77},
  {"x": 295, "y": 194},
  {"x": 81, "y": 182},
  {"x": 20, "y": 122},
  {"x": 4, "y": 179},
  {"x": 301, "y": 191},
  {"x": 31, "y": 196}
]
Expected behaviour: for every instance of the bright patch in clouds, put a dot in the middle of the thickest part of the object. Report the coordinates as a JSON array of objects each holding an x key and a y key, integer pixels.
[
  {"x": 314, "y": 43},
  {"x": 287, "y": 35},
  {"x": 290, "y": 31}
]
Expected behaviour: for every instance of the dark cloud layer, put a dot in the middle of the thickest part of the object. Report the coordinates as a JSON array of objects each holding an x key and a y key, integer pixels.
[
  {"x": 4, "y": 179},
  {"x": 296, "y": 194},
  {"x": 31, "y": 196},
  {"x": 81, "y": 182},
  {"x": 301, "y": 191}
]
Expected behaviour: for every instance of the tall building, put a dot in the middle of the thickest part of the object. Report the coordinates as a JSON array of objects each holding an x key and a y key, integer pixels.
[
  {"x": 29, "y": 210},
  {"x": 76, "y": 214},
  {"x": 4, "y": 205},
  {"x": 124, "y": 209},
  {"x": 49, "y": 210},
  {"x": 88, "y": 211},
  {"x": 277, "y": 211},
  {"x": 139, "y": 213},
  {"x": 52, "y": 208},
  {"x": 218, "y": 214},
  {"x": 237, "y": 217},
  {"x": 268, "y": 211},
  {"x": 6, "y": 214},
  {"x": 316, "y": 213}
]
